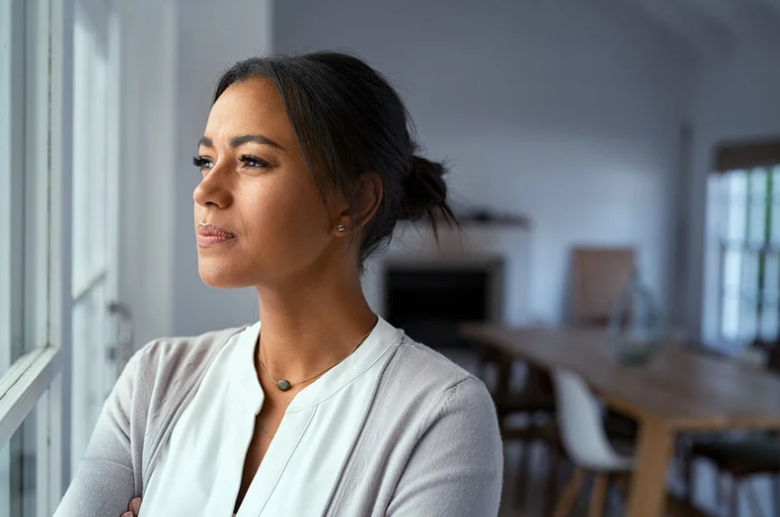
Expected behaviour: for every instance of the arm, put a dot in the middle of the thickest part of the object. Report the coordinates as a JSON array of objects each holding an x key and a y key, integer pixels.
[
  {"x": 456, "y": 468},
  {"x": 105, "y": 481}
]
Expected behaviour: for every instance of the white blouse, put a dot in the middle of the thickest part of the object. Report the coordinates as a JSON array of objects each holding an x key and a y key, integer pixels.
[{"x": 199, "y": 470}]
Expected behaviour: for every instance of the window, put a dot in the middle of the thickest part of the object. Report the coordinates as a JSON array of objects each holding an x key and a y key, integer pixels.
[
  {"x": 33, "y": 176},
  {"x": 744, "y": 222},
  {"x": 61, "y": 349},
  {"x": 25, "y": 208}
]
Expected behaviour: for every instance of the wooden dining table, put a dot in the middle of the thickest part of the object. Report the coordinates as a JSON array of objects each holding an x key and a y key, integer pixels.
[{"x": 679, "y": 390}]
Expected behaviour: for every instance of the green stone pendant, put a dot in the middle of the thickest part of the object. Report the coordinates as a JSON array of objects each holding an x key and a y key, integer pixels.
[{"x": 283, "y": 385}]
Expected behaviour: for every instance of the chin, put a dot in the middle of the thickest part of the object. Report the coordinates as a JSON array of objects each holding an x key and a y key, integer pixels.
[{"x": 221, "y": 277}]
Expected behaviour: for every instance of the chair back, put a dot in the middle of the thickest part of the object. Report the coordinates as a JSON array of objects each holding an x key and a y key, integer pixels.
[
  {"x": 581, "y": 425},
  {"x": 599, "y": 276}
]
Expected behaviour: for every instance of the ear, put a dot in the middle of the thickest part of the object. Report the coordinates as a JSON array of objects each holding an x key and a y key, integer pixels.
[
  {"x": 364, "y": 207},
  {"x": 371, "y": 191}
]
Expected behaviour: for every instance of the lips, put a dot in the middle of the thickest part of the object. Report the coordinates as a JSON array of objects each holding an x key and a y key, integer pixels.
[{"x": 210, "y": 235}]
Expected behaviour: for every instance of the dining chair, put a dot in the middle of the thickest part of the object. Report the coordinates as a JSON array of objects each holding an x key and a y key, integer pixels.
[
  {"x": 583, "y": 436},
  {"x": 588, "y": 445},
  {"x": 598, "y": 277},
  {"x": 742, "y": 459},
  {"x": 533, "y": 404},
  {"x": 743, "y": 456}
]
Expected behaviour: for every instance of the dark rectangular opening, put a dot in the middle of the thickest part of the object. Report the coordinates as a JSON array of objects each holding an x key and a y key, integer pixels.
[{"x": 430, "y": 303}]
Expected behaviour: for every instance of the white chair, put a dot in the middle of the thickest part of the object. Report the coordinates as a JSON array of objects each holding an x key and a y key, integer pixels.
[{"x": 583, "y": 435}]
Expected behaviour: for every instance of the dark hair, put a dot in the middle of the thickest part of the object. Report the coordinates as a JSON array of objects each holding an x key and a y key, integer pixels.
[{"x": 349, "y": 121}]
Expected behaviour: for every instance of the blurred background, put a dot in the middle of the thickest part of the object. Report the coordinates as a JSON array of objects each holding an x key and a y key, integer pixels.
[{"x": 597, "y": 150}]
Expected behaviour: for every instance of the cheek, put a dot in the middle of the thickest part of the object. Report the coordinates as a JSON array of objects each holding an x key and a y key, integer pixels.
[{"x": 287, "y": 224}]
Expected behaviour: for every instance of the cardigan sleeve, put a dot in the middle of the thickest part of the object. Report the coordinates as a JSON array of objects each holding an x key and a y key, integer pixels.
[
  {"x": 104, "y": 482},
  {"x": 456, "y": 468}
]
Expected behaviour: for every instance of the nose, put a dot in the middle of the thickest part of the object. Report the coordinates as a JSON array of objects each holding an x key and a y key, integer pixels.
[{"x": 213, "y": 190}]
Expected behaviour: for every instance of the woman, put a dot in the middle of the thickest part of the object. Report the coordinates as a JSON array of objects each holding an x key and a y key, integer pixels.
[{"x": 307, "y": 164}]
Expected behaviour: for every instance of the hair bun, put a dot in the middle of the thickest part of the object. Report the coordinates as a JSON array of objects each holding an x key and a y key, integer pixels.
[{"x": 425, "y": 192}]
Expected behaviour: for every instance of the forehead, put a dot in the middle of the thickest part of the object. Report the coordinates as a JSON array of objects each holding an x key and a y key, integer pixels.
[{"x": 252, "y": 106}]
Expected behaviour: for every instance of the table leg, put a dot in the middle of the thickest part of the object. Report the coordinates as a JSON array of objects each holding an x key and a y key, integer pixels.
[
  {"x": 598, "y": 496},
  {"x": 648, "y": 483}
]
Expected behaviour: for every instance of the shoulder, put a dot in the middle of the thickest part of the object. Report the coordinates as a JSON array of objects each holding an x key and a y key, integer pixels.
[
  {"x": 449, "y": 412},
  {"x": 162, "y": 371},
  {"x": 424, "y": 369},
  {"x": 423, "y": 378},
  {"x": 432, "y": 424},
  {"x": 174, "y": 353}
]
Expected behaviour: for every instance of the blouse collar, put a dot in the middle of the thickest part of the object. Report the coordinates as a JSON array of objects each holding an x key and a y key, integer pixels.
[{"x": 379, "y": 342}]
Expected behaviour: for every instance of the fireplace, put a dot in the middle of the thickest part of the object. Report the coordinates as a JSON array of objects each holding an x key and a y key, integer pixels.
[{"x": 430, "y": 299}]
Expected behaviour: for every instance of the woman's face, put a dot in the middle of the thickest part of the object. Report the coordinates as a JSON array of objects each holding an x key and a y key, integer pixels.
[{"x": 256, "y": 187}]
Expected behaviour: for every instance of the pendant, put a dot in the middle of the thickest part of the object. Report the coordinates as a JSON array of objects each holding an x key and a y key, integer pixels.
[{"x": 283, "y": 385}]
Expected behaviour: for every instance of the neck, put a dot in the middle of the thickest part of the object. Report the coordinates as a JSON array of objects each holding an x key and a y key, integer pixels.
[{"x": 309, "y": 326}]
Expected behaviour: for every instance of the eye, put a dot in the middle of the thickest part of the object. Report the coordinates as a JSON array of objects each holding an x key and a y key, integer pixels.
[
  {"x": 202, "y": 162},
  {"x": 254, "y": 162}
]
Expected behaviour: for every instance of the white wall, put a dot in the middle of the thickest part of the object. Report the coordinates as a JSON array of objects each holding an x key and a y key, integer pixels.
[
  {"x": 211, "y": 37},
  {"x": 148, "y": 128},
  {"x": 736, "y": 99},
  {"x": 567, "y": 111}
]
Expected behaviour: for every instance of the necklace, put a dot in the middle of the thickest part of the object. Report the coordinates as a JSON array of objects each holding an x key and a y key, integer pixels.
[
  {"x": 262, "y": 428},
  {"x": 285, "y": 385}
]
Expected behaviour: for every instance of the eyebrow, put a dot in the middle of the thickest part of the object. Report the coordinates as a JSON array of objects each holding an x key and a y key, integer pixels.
[{"x": 237, "y": 141}]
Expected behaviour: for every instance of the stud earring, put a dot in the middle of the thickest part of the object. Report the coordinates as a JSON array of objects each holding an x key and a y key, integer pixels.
[{"x": 341, "y": 228}]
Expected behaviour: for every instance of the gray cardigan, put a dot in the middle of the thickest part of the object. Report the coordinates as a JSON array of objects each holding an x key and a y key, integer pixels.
[{"x": 430, "y": 444}]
